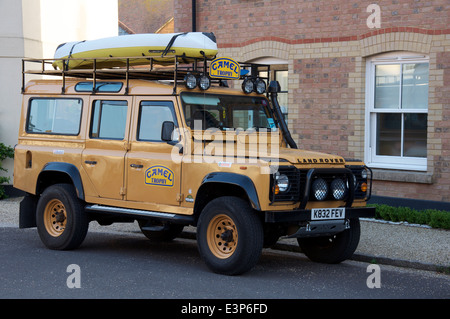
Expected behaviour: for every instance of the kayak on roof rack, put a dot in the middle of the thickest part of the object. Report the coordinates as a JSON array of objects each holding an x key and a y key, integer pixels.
[{"x": 161, "y": 47}]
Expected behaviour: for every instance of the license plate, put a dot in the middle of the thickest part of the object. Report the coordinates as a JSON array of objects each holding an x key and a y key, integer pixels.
[{"x": 327, "y": 213}]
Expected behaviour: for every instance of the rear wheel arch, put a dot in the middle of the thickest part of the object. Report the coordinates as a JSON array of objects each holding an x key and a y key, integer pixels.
[{"x": 60, "y": 173}]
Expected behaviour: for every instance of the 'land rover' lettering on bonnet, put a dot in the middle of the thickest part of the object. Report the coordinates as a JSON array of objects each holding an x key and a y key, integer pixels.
[
  {"x": 322, "y": 160},
  {"x": 159, "y": 175}
]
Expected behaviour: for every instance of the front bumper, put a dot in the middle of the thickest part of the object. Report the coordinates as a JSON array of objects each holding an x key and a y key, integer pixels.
[{"x": 313, "y": 228}]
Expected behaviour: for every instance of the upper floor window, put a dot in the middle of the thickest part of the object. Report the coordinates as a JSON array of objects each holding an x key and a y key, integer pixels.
[{"x": 397, "y": 111}]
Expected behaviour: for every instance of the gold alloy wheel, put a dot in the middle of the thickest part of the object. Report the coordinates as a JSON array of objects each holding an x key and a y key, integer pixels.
[
  {"x": 55, "y": 217},
  {"x": 222, "y": 236}
]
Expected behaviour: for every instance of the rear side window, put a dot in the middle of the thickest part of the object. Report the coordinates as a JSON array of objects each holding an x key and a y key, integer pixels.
[
  {"x": 54, "y": 116},
  {"x": 109, "y": 119}
]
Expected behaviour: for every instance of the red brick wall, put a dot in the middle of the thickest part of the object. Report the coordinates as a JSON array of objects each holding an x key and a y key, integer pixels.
[
  {"x": 324, "y": 96},
  {"x": 237, "y": 21},
  {"x": 326, "y": 44}
]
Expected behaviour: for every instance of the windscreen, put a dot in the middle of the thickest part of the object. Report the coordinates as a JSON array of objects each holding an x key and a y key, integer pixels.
[{"x": 227, "y": 112}]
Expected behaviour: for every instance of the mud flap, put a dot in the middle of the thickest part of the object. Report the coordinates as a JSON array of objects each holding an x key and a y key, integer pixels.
[{"x": 27, "y": 212}]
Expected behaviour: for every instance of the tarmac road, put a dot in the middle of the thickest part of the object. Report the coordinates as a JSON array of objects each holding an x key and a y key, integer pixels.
[
  {"x": 384, "y": 243},
  {"x": 117, "y": 261},
  {"x": 125, "y": 265}
]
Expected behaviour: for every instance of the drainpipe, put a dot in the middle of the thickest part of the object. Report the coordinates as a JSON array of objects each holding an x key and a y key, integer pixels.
[{"x": 194, "y": 16}]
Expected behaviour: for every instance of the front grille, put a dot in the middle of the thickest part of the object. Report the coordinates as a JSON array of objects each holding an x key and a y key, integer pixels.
[{"x": 301, "y": 184}]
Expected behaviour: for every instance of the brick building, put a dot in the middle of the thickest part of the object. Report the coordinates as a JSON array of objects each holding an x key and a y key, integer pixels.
[{"x": 360, "y": 80}]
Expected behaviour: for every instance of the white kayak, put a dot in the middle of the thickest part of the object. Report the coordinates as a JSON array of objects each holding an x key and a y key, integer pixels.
[{"x": 161, "y": 47}]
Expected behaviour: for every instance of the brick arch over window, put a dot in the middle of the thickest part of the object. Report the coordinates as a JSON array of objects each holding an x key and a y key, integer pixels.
[
  {"x": 260, "y": 49},
  {"x": 396, "y": 41}
]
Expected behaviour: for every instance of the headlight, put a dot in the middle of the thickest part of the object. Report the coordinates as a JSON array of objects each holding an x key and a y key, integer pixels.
[
  {"x": 282, "y": 181},
  {"x": 364, "y": 174},
  {"x": 338, "y": 189},
  {"x": 320, "y": 189}
]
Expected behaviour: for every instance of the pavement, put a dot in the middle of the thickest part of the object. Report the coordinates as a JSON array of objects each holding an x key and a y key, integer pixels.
[{"x": 388, "y": 243}]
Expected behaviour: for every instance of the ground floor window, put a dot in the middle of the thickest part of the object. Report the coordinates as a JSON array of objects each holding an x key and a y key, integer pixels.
[
  {"x": 279, "y": 72},
  {"x": 397, "y": 111}
]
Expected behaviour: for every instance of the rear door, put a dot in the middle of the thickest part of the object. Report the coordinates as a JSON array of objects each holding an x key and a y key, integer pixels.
[{"x": 106, "y": 146}]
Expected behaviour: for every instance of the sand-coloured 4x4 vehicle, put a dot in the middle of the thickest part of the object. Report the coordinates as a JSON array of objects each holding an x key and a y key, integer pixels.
[{"x": 171, "y": 146}]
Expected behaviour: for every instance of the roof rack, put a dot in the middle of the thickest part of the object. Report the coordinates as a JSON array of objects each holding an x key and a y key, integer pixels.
[{"x": 155, "y": 70}]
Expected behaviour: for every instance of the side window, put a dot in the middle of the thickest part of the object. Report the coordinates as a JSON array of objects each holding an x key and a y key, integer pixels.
[
  {"x": 54, "y": 116},
  {"x": 109, "y": 120},
  {"x": 152, "y": 114}
]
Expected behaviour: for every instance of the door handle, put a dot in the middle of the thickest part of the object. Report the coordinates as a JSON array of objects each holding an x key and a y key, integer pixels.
[
  {"x": 136, "y": 165},
  {"x": 91, "y": 162}
]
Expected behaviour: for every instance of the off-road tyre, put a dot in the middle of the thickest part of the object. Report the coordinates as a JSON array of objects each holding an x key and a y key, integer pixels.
[
  {"x": 61, "y": 220},
  {"x": 332, "y": 249},
  {"x": 229, "y": 235},
  {"x": 166, "y": 231}
]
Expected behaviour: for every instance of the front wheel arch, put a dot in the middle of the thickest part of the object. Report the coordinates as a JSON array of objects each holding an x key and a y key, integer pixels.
[{"x": 220, "y": 184}]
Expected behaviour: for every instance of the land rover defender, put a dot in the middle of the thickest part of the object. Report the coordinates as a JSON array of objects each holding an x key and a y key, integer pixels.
[{"x": 173, "y": 146}]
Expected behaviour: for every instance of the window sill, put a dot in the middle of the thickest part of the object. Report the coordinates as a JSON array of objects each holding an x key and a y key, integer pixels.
[{"x": 402, "y": 176}]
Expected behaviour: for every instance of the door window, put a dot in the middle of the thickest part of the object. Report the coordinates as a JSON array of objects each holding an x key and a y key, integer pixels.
[
  {"x": 109, "y": 120},
  {"x": 152, "y": 114}
]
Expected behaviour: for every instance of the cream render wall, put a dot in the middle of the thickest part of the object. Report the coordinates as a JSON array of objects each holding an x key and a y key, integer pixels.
[{"x": 34, "y": 29}]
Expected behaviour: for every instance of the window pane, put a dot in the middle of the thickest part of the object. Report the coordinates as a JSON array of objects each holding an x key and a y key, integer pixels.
[
  {"x": 282, "y": 78},
  {"x": 389, "y": 134},
  {"x": 151, "y": 119},
  {"x": 415, "y": 86},
  {"x": 112, "y": 87},
  {"x": 227, "y": 112},
  {"x": 54, "y": 116},
  {"x": 109, "y": 119},
  {"x": 387, "y": 86},
  {"x": 415, "y": 135}
]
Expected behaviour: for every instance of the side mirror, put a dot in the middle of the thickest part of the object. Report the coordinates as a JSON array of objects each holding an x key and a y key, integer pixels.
[{"x": 167, "y": 130}]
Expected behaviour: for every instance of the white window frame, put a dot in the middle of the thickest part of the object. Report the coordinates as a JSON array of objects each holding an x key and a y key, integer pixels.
[{"x": 371, "y": 158}]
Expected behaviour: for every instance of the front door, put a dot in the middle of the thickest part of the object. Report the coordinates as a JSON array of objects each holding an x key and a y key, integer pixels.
[
  {"x": 106, "y": 146},
  {"x": 152, "y": 176}
]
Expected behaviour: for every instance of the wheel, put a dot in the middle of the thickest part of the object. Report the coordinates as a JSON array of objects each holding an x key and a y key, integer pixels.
[
  {"x": 160, "y": 231},
  {"x": 60, "y": 217},
  {"x": 332, "y": 249},
  {"x": 230, "y": 236}
]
